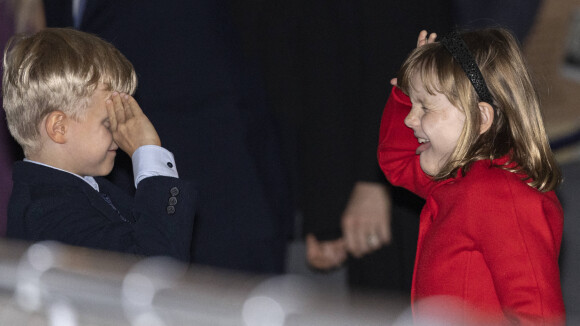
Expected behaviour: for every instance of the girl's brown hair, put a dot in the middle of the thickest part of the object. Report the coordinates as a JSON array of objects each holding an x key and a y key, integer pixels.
[{"x": 517, "y": 129}]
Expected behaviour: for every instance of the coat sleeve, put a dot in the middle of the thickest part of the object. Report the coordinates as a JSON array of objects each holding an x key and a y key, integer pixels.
[
  {"x": 519, "y": 232},
  {"x": 164, "y": 211},
  {"x": 76, "y": 217},
  {"x": 397, "y": 146}
]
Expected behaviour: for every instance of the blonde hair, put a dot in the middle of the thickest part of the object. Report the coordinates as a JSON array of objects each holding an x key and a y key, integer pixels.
[
  {"x": 57, "y": 69},
  {"x": 517, "y": 129}
]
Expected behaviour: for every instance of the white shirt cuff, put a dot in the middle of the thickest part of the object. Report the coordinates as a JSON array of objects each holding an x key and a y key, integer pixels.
[{"x": 152, "y": 160}]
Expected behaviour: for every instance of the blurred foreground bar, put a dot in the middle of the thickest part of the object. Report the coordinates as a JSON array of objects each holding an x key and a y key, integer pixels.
[{"x": 55, "y": 285}]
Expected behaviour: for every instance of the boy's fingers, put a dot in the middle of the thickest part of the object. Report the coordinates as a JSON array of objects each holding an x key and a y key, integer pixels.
[
  {"x": 128, "y": 105},
  {"x": 111, "y": 112},
  {"x": 135, "y": 108},
  {"x": 119, "y": 109}
]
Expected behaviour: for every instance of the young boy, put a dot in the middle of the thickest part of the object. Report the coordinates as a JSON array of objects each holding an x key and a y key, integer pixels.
[{"x": 65, "y": 96}]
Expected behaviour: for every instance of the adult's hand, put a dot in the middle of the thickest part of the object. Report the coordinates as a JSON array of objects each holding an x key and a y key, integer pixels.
[
  {"x": 366, "y": 221},
  {"x": 324, "y": 255}
]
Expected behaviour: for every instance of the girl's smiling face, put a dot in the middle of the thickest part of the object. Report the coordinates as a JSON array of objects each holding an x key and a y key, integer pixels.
[{"x": 436, "y": 123}]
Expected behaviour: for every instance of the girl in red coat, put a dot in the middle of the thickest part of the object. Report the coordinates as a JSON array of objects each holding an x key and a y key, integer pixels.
[{"x": 465, "y": 132}]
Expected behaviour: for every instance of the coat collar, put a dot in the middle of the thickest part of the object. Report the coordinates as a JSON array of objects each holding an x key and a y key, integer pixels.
[{"x": 34, "y": 175}]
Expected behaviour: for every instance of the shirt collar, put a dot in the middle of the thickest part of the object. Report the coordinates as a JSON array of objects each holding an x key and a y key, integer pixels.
[{"x": 88, "y": 179}]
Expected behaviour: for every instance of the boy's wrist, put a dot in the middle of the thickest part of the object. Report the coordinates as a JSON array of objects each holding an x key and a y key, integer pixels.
[{"x": 153, "y": 160}]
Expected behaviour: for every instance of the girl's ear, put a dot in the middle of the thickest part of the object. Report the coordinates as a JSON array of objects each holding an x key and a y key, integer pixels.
[
  {"x": 487, "y": 114},
  {"x": 56, "y": 126}
]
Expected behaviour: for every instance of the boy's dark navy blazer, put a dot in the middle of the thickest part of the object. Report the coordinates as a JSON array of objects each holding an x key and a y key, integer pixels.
[
  {"x": 48, "y": 204},
  {"x": 208, "y": 106}
]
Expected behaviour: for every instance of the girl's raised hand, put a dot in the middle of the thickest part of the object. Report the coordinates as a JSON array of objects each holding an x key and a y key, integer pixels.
[{"x": 424, "y": 38}]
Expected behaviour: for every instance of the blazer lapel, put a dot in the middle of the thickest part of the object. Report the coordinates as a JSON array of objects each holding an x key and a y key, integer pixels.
[
  {"x": 121, "y": 201},
  {"x": 100, "y": 204}
]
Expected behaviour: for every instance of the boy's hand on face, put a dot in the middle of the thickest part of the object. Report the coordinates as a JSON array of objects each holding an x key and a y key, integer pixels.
[{"x": 130, "y": 127}]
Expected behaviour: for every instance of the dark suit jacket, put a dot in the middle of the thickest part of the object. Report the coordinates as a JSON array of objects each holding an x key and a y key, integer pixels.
[
  {"x": 209, "y": 108},
  {"x": 516, "y": 15},
  {"x": 48, "y": 204}
]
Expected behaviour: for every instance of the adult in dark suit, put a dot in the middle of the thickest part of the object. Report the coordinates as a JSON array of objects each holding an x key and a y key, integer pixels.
[
  {"x": 6, "y": 148},
  {"x": 516, "y": 15},
  {"x": 327, "y": 65},
  {"x": 15, "y": 17},
  {"x": 209, "y": 109},
  {"x": 48, "y": 204}
]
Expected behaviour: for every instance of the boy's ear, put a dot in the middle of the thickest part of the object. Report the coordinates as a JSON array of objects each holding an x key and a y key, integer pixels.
[
  {"x": 56, "y": 126},
  {"x": 487, "y": 114}
]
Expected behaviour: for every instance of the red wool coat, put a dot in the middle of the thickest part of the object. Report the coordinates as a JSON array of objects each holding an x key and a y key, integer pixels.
[{"x": 488, "y": 243}]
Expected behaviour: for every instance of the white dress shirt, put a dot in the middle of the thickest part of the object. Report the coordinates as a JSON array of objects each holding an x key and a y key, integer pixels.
[{"x": 148, "y": 161}]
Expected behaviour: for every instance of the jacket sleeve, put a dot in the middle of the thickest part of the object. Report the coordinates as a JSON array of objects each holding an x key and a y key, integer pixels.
[
  {"x": 397, "y": 146},
  {"x": 81, "y": 217},
  {"x": 164, "y": 210}
]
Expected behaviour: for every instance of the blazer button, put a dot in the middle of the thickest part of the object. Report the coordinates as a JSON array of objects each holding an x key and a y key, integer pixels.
[
  {"x": 174, "y": 191},
  {"x": 172, "y": 201},
  {"x": 170, "y": 210}
]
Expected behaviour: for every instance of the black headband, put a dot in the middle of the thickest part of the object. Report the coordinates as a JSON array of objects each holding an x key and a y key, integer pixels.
[{"x": 459, "y": 51}]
